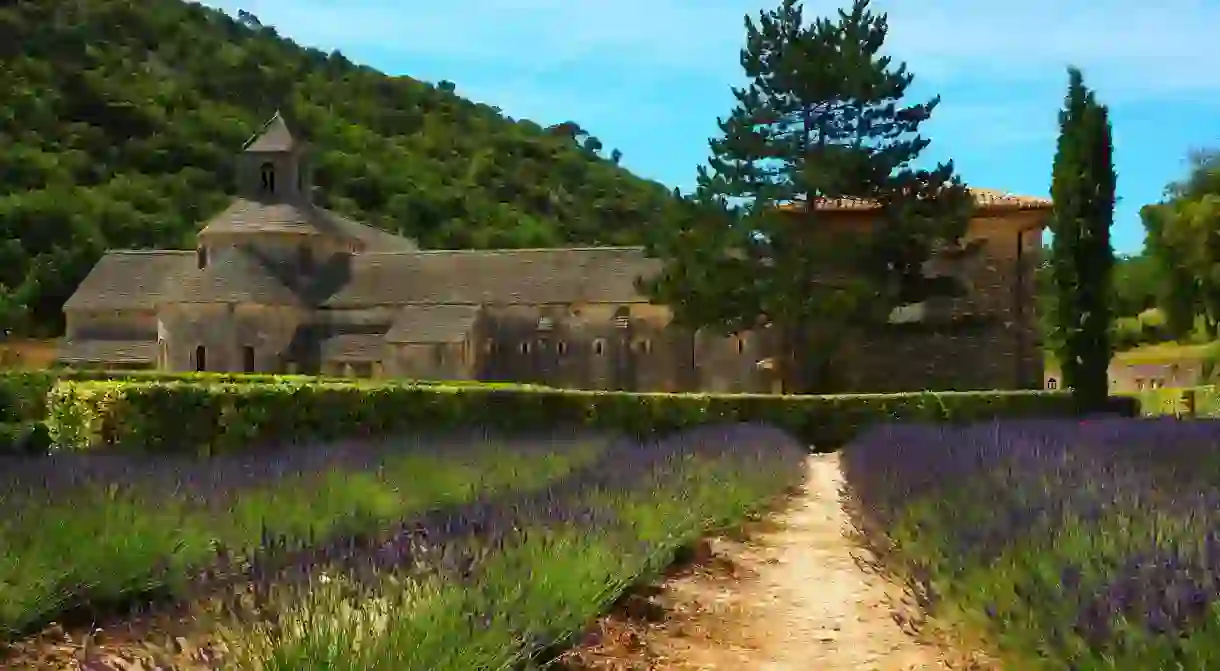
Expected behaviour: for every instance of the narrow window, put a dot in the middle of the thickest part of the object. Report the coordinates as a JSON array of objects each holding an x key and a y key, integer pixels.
[
  {"x": 267, "y": 171},
  {"x": 247, "y": 359},
  {"x": 622, "y": 317},
  {"x": 525, "y": 347},
  {"x": 305, "y": 258},
  {"x": 561, "y": 347},
  {"x": 201, "y": 257},
  {"x": 646, "y": 346},
  {"x": 201, "y": 359},
  {"x": 599, "y": 346},
  {"x": 741, "y": 344}
]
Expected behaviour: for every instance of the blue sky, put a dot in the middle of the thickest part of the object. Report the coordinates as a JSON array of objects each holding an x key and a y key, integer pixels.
[{"x": 649, "y": 77}]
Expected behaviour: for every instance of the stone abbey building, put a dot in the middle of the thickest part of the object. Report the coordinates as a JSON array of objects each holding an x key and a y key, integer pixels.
[{"x": 278, "y": 284}]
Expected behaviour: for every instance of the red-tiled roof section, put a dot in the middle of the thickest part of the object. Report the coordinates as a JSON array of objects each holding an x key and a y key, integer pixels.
[{"x": 987, "y": 200}]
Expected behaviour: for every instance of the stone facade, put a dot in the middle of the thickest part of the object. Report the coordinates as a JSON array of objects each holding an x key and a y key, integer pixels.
[
  {"x": 278, "y": 284},
  {"x": 1127, "y": 377}
]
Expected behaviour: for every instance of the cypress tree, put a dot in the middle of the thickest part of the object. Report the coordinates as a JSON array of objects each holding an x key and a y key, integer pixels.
[{"x": 1082, "y": 188}]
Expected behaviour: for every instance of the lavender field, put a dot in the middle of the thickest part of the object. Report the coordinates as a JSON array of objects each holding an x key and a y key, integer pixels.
[
  {"x": 1089, "y": 544},
  {"x": 429, "y": 552}
]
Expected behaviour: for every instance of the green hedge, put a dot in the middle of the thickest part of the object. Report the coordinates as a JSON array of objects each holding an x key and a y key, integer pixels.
[
  {"x": 215, "y": 417},
  {"x": 23, "y": 393}
]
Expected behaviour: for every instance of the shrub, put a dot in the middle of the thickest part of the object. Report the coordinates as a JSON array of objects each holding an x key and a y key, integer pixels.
[{"x": 222, "y": 416}]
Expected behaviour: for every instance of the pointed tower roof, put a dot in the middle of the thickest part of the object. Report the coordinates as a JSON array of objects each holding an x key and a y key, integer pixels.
[{"x": 274, "y": 136}]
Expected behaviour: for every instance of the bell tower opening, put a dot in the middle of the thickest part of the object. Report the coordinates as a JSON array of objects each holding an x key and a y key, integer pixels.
[{"x": 267, "y": 176}]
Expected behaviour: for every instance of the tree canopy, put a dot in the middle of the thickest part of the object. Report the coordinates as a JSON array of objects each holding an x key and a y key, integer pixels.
[
  {"x": 1183, "y": 236},
  {"x": 121, "y": 119},
  {"x": 822, "y": 117}
]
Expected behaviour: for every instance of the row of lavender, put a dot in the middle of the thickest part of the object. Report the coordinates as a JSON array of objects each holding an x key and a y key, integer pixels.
[
  {"x": 1063, "y": 544},
  {"x": 86, "y": 534},
  {"x": 491, "y": 584},
  {"x": 475, "y": 556}
]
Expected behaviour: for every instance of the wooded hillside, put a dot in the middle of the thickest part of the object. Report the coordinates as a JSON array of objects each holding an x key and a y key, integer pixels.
[{"x": 121, "y": 119}]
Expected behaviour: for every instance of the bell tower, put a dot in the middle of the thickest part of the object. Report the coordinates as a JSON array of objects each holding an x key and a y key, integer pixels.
[{"x": 273, "y": 166}]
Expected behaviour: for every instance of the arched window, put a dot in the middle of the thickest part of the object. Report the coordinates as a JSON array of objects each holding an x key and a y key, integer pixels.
[
  {"x": 599, "y": 346},
  {"x": 201, "y": 257},
  {"x": 305, "y": 258},
  {"x": 247, "y": 359},
  {"x": 525, "y": 347},
  {"x": 267, "y": 173},
  {"x": 561, "y": 347},
  {"x": 201, "y": 359}
]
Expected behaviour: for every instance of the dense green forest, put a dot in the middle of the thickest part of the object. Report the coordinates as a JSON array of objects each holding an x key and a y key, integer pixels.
[
  {"x": 1170, "y": 291},
  {"x": 121, "y": 118}
]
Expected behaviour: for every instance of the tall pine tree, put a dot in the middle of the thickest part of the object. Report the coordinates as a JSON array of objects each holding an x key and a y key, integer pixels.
[
  {"x": 822, "y": 118},
  {"x": 1082, "y": 258}
]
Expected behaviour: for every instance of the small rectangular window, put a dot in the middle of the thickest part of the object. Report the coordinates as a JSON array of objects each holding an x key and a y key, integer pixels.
[{"x": 247, "y": 359}]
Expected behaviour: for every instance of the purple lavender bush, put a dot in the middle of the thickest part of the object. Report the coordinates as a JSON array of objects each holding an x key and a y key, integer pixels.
[
  {"x": 496, "y": 583},
  {"x": 89, "y": 533},
  {"x": 1067, "y": 544}
]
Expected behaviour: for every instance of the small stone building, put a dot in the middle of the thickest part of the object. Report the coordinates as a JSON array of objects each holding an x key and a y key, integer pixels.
[
  {"x": 1127, "y": 377},
  {"x": 279, "y": 284}
]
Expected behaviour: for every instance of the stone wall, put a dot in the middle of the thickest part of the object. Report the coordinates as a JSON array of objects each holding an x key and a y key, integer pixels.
[
  {"x": 432, "y": 361},
  {"x": 225, "y": 331},
  {"x": 985, "y": 339}
]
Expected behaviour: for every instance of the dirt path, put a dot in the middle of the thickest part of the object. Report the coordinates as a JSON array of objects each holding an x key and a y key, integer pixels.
[
  {"x": 788, "y": 596},
  {"x": 791, "y": 598}
]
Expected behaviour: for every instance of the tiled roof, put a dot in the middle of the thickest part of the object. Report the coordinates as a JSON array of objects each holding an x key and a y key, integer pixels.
[
  {"x": 500, "y": 277},
  {"x": 232, "y": 276},
  {"x": 130, "y": 280},
  {"x": 353, "y": 347},
  {"x": 106, "y": 351},
  {"x": 432, "y": 323},
  {"x": 373, "y": 239},
  {"x": 273, "y": 137},
  {"x": 251, "y": 216},
  {"x": 987, "y": 200}
]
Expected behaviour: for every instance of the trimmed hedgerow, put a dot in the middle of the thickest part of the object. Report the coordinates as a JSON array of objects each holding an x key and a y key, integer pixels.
[{"x": 217, "y": 417}]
